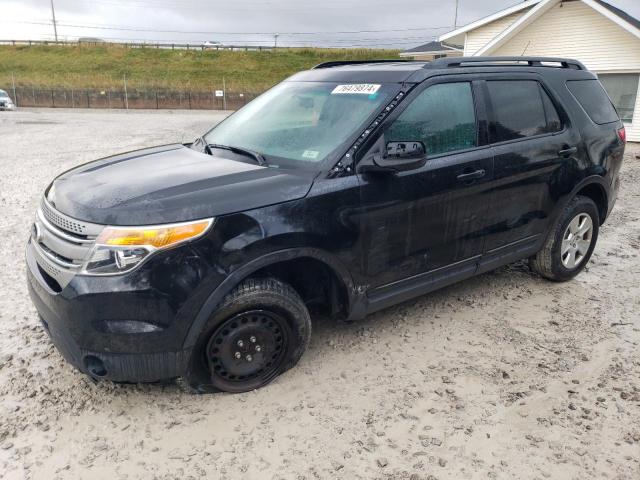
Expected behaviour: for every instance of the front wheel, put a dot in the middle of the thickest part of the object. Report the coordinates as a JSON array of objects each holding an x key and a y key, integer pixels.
[
  {"x": 570, "y": 243},
  {"x": 260, "y": 330}
]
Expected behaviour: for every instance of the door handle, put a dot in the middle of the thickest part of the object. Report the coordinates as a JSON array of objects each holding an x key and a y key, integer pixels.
[
  {"x": 465, "y": 177},
  {"x": 567, "y": 152}
]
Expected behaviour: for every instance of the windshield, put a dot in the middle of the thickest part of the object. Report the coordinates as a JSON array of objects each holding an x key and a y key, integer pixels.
[
  {"x": 302, "y": 123},
  {"x": 3, "y": 93}
]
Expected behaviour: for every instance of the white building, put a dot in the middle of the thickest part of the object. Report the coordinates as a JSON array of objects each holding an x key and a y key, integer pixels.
[{"x": 604, "y": 38}]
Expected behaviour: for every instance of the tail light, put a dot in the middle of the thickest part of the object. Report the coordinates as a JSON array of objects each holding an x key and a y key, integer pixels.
[{"x": 622, "y": 134}]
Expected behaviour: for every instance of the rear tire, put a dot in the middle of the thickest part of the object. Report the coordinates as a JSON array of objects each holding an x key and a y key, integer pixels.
[
  {"x": 259, "y": 331},
  {"x": 570, "y": 243}
]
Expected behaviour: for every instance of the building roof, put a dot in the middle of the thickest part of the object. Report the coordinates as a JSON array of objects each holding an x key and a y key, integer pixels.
[
  {"x": 620, "y": 13},
  {"x": 433, "y": 47},
  {"x": 536, "y": 8},
  {"x": 489, "y": 18}
]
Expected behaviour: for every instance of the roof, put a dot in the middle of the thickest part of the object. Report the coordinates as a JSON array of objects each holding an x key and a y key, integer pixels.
[
  {"x": 537, "y": 8},
  {"x": 488, "y": 19},
  {"x": 433, "y": 47},
  {"x": 361, "y": 72},
  {"x": 621, "y": 13}
]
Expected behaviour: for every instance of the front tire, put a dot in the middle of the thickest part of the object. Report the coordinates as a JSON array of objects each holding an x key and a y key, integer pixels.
[
  {"x": 260, "y": 330},
  {"x": 570, "y": 243}
]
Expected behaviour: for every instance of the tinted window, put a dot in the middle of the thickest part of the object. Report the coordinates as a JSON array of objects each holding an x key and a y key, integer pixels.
[
  {"x": 594, "y": 100},
  {"x": 519, "y": 109},
  {"x": 442, "y": 117}
]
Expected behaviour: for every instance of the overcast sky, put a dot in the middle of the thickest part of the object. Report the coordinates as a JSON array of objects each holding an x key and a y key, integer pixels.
[{"x": 299, "y": 22}]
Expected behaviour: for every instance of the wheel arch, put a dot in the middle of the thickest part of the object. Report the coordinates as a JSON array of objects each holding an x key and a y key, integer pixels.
[
  {"x": 596, "y": 192},
  {"x": 593, "y": 187},
  {"x": 275, "y": 263}
]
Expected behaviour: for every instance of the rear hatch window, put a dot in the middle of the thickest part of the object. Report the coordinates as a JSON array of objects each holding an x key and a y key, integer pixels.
[{"x": 594, "y": 100}]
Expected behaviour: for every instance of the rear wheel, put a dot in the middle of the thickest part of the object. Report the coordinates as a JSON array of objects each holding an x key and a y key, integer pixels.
[
  {"x": 570, "y": 244},
  {"x": 259, "y": 331}
]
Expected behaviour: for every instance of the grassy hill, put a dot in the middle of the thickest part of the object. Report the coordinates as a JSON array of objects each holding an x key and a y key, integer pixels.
[{"x": 93, "y": 66}]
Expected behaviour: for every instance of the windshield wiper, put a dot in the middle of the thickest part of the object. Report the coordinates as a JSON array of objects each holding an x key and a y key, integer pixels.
[{"x": 257, "y": 156}]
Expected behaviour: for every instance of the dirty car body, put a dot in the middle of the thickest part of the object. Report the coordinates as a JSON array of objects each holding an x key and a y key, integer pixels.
[{"x": 372, "y": 215}]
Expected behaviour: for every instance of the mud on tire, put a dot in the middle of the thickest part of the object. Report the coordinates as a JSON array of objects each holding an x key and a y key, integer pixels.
[
  {"x": 551, "y": 261},
  {"x": 259, "y": 331}
]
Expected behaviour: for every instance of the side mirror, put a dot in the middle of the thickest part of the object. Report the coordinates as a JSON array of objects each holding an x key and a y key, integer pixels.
[{"x": 399, "y": 157}]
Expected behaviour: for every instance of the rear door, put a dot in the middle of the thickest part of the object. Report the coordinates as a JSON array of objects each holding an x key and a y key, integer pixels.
[{"x": 532, "y": 144}]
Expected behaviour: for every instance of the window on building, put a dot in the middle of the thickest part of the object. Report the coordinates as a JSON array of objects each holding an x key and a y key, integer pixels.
[
  {"x": 442, "y": 117},
  {"x": 623, "y": 90},
  {"x": 521, "y": 109}
]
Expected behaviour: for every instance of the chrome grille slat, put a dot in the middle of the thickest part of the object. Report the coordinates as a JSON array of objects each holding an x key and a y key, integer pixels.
[
  {"x": 62, "y": 243},
  {"x": 53, "y": 258}
]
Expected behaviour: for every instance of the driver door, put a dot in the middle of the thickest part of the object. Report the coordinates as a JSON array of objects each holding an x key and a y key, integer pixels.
[{"x": 428, "y": 222}]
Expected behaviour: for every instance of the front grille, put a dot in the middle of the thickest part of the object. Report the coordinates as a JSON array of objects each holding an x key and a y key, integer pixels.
[
  {"x": 62, "y": 243},
  {"x": 62, "y": 221}
]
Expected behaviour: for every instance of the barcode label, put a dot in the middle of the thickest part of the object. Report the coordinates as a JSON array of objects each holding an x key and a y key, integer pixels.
[{"x": 364, "y": 88}]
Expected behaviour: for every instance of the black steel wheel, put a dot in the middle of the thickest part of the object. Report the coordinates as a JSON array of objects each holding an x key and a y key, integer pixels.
[
  {"x": 258, "y": 332},
  {"x": 248, "y": 348}
]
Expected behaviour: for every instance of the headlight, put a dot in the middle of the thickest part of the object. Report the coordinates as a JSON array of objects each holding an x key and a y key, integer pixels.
[{"x": 120, "y": 249}]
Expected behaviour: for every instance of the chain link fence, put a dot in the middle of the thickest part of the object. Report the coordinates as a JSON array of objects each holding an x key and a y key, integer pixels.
[{"x": 128, "y": 99}]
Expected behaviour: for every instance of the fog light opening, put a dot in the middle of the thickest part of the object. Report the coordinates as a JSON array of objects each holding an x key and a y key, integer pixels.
[{"x": 95, "y": 366}]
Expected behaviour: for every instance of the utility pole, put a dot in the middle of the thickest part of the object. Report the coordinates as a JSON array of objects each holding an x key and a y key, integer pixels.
[
  {"x": 275, "y": 37},
  {"x": 455, "y": 18},
  {"x": 55, "y": 27}
]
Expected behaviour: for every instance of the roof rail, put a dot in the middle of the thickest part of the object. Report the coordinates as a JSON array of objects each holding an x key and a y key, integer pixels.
[
  {"x": 457, "y": 62},
  {"x": 339, "y": 63}
]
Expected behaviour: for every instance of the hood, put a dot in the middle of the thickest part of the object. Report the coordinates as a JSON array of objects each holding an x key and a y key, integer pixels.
[{"x": 169, "y": 184}]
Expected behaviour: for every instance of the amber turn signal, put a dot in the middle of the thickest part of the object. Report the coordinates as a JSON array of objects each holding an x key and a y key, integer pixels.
[{"x": 159, "y": 236}]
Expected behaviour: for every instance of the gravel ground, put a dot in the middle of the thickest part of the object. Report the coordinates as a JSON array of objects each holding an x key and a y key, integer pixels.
[{"x": 502, "y": 376}]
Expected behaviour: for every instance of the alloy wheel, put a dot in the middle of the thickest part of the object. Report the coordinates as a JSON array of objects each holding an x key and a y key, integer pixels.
[{"x": 576, "y": 240}]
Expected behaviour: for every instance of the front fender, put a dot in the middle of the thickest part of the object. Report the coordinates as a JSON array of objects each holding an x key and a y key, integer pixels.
[{"x": 246, "y": 270}]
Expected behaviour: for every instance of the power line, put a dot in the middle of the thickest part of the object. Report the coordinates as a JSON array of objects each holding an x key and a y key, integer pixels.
[{"x": 195, "y": 32}]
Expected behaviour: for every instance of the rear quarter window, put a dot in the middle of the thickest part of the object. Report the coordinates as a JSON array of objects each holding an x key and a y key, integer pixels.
[{"x": 594, "y": 100}]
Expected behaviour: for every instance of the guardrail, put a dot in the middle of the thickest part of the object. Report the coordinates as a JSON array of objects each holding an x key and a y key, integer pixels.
[{"x": 170, "y": 46}]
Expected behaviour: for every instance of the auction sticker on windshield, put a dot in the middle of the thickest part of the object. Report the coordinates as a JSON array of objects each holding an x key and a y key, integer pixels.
[{"x": 364, "y": 88}]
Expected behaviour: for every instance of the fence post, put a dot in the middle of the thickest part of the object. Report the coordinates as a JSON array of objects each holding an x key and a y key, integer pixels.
[
  {"x": 157, "y": 100},
  {"x": 189, "y": 93},
  {"x": 126, "y": 95},
  {"x": 73, "y": 104},
  {"x": 224, "y": 94},
  {"x": 53, "y": 100},
  {"x": 88, "y": 100},
  {"x": 13, "y": 82}
]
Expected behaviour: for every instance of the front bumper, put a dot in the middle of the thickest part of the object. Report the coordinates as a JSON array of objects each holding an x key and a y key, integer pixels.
[{"x": 78, "y": 317}]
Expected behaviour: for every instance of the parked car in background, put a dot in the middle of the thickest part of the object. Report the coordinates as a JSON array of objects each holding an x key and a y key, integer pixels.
[
  {"x": 5, "y": 101},
  {"x": 341, "y": 191},
  {"x": 211, "y": 44}
]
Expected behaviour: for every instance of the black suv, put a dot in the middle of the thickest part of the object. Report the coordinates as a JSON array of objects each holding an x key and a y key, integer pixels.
[{"x": 341, "y": 191}]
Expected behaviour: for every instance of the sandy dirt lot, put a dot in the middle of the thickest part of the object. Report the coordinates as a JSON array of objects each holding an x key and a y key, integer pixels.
[{"x": 505, "y": 376}]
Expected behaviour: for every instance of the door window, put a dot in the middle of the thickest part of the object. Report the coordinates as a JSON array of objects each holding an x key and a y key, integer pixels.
[
  {"x": 521, "y": 109},
  {"x": 442, "y": 117}
]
